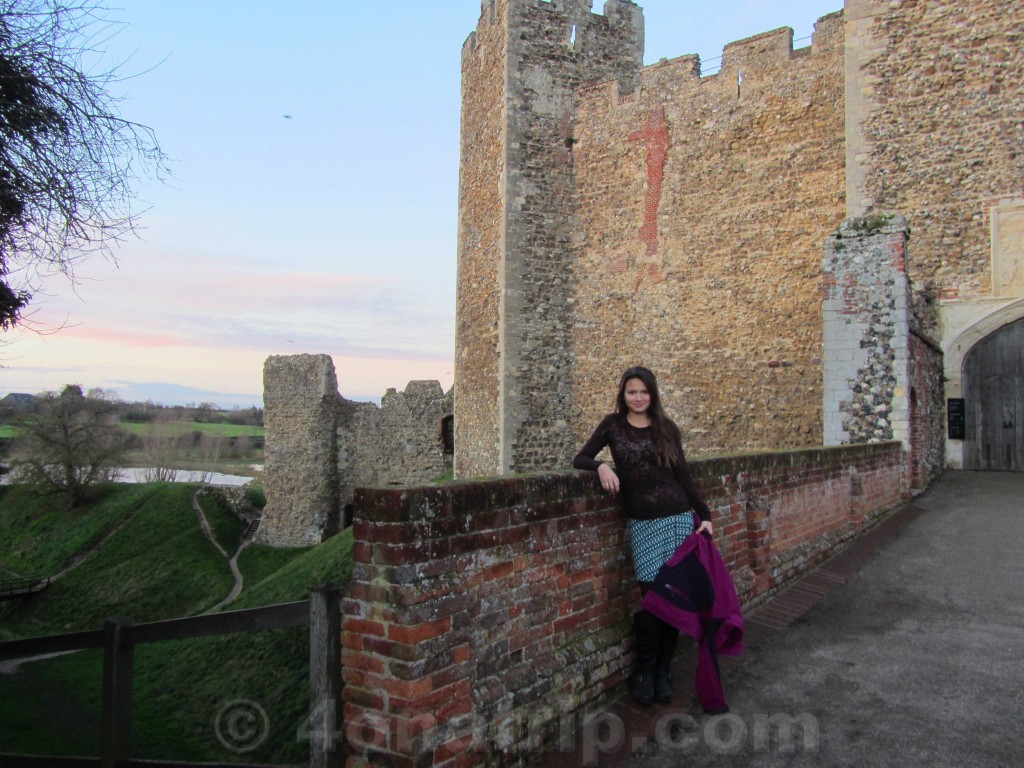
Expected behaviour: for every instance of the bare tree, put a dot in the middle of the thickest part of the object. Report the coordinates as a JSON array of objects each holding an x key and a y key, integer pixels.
[
  {"x": 160, "y": 453},
  {"x": 69, "y": 443},
  {"x": 69, "y": 162}
]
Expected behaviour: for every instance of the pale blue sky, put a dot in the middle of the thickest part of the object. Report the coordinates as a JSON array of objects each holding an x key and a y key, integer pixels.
[{"x": 313, "y": 202}]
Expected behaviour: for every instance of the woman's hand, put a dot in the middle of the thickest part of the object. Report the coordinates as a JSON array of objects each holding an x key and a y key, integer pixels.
[
  {"x": 705, "y": 525},
  {"x": 609, "y": 480}
]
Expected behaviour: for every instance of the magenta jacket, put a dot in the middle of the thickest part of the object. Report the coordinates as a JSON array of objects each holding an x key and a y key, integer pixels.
[{"x": 694, "y": 592}]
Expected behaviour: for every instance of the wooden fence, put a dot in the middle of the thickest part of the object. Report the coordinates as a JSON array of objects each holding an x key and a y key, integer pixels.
[
  {"x": 11, "y": 589},
  {"x": 321, "y": 612}
]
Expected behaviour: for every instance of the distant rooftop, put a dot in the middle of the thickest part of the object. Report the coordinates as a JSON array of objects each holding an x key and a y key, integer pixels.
[{"x": 18, "y": 400}]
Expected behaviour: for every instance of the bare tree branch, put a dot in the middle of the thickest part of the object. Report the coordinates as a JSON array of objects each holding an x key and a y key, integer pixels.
[{"x": 70, "y": 162}]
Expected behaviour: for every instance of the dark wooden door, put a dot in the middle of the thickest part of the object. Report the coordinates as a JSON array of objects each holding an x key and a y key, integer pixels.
[{"x": 993, "y": 379}]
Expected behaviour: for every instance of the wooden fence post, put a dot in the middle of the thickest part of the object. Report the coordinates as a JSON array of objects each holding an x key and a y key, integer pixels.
[
  {"x": 324, "y": 677},
  {"x": 116, "y": 718}
]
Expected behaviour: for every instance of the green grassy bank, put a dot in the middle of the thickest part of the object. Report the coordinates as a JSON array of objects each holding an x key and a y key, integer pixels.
[{"x": 137, "y": 552}]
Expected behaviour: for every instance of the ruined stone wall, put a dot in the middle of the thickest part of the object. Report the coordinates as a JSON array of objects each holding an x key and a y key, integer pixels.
[
  {"x": 883, "y": 373},
  {"x": 319, "y": 447},
  {"x": 300, "y": 472},
  {"x": 398, "y": 443},
  {"x": 866, "y": 329},
  {"x": 702, "y": 206},
  {"x": 944, "y": 129}
]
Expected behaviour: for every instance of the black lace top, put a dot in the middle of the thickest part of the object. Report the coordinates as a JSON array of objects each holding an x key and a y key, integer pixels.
[{"x": 649, "y": 490}]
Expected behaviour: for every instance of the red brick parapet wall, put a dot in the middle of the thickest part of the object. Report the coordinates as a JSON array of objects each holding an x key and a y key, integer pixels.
[{"x": 482, "y": 616}]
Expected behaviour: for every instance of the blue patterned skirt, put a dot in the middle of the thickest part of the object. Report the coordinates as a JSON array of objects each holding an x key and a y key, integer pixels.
[{"x": 654, "y": 542}]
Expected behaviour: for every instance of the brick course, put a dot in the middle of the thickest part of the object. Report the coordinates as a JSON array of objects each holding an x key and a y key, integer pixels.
[{"x": 482, "y": 614}]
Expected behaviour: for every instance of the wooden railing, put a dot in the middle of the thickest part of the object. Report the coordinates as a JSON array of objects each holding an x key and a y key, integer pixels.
[
  {"x": 22, "y": 587},
  {"x": 321, "y": 612}
]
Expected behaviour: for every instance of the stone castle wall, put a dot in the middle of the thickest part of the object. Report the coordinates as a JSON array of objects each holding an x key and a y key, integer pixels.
[
  {"x": 653, "y": 205},
  {"x": 866, "y": 296},
  {"x": 883, "y": 380},
  {"x": 398, "y": 443},
  {"x": 686, "y": 219},
  {"x": 939, "y": 132},
  {"x": 686, "y": 261},
  {"x": 320, "y": 447},
  {"x": 513, "y": 345},
  {"x": 300, "y": 474},
  {"x": 927, "y": 411},
  {"x": 481, "y": 203},
  {"x": 944, "y": 130}
]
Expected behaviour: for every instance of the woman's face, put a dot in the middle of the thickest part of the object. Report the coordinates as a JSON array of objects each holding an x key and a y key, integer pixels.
[{"x": 638, "y": 399}]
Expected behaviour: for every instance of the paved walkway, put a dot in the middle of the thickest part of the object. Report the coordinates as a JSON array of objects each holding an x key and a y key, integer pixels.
[{"x": 906, "y": 649}]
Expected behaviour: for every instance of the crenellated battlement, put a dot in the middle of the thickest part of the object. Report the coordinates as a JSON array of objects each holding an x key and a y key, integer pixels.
[
  {"x": 765, "y": 50},
  {"x": 747, "y": 59},
  {"x": 775, "y": 47},
  {"x": 577, "y": 17}
]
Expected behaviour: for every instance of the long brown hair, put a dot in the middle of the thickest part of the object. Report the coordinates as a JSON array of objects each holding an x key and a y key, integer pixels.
[{"x": 665, "y": 432}]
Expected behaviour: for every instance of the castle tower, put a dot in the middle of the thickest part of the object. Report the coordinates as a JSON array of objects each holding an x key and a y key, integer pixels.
[{"x": 513, "y": 351}]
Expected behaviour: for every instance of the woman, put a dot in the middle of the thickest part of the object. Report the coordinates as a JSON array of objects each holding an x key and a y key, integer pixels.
[{"x": 661, "y": 502}]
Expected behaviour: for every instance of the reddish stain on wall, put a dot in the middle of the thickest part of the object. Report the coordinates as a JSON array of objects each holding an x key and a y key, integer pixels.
[{"x": 654, "y": 135}]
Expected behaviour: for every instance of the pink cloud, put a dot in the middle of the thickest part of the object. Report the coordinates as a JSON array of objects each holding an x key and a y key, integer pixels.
[{"x": 107, "y": 335}]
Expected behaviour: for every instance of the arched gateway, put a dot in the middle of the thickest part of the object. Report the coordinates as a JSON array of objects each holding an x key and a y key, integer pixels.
[{"x": 993, "y": 388}]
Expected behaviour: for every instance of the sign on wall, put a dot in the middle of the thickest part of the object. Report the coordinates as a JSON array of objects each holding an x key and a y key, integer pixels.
[{"x": 956, "y": 418}]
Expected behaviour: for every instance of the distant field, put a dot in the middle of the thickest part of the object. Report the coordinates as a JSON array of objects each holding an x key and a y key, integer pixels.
[
  {"x": 216, "y": 451},
  {"x": 175, "y": 428},
  {"x": 183, "y": 427}
]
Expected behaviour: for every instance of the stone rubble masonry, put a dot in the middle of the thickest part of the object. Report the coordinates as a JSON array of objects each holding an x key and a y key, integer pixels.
[
  {"x": 398, "y": 443},
  {"x": 320, "y": 446},
  {"x": 939, "y": 133},
  {"x": 927, "y": 411},
  {"x": 481, "y": 227},
  {"x": 883, "y": 374},
  {"x": 622, "y": 236},
  {"x": 944, "y": 130},
  {"x": 866, "y": 333},
  {"x": 662, "y": 216},
  {"x": 483, "y": 616},
  {"x": 686, "y": 260},
  {"x": 513, "y": 346},
  {"x": 300, "y": 474}
]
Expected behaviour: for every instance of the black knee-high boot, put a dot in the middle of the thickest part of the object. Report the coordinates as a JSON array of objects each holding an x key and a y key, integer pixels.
[
  {"x": 647, "y": 631},
  {"x": 667, "y": 638}
]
